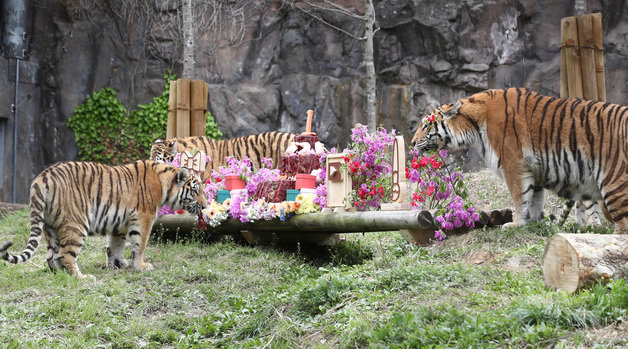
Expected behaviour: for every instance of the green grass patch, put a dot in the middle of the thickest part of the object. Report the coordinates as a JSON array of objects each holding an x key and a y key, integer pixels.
[{"x": 371, "y": 290}]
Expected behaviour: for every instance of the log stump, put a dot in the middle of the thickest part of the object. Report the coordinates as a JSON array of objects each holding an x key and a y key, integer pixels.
[{"x": 574, "y": 261}]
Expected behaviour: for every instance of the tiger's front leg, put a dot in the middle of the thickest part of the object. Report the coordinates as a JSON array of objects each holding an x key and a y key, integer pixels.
[
  {"x": 138, "y": 236},
  {"x": 525, "y": 196}
]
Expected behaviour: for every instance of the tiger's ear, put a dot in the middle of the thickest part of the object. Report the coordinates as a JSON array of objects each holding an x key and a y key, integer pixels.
[
  {"x": 182, "y": 175},
  {"x": 452, "y": 111},
  {"x": 173, "y": 147}
]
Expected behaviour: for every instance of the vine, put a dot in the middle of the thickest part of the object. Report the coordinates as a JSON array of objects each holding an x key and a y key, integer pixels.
[
  {"x": 104, "y": 133},
  {"x": 97, "y": 124}
]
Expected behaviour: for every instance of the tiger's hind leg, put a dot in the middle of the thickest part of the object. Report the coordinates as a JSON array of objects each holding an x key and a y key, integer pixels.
[
  {"x": 70, "y": 244},
  {"x": 115, "y": 251},
  {"x": 52, "y": 240},
  {"x": 588, "y": 213},
  {"x": 616, "y": 203}
]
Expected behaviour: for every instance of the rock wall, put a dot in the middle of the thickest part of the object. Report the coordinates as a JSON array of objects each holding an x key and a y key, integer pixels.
[{"x": 267, "y": 62}]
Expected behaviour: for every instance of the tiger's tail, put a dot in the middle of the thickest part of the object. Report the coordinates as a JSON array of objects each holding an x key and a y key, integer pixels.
[{"x": 37, "y": 206}]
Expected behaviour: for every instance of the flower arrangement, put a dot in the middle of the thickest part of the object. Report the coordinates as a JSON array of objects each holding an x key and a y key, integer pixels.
[
  {"x": 216, "y": 213},
  {"x": 437, "y": 187},
  {"x": 368, "y": 165}
]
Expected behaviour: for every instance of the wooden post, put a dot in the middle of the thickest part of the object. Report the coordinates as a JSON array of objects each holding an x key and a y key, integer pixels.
[
  {"x": 587, "y": 57},
  {"x": 582, "y": 58},
  {"x": 574, "y": 261},
  {"x": 598, "y": 45},
  {"x": 171, "y": 128},
  {"x": 183, "y": 108},
  {"x": 199, "y": 107},
  {"x": 570, "y": 49}
]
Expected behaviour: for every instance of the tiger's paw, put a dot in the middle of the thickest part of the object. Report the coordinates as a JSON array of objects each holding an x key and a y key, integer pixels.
[
  {"x": 87, "y": 277},
  {"x": 117, "y": 263},
  {"x": 143, "y": 266},
  {"x": 509, "y": 225}
]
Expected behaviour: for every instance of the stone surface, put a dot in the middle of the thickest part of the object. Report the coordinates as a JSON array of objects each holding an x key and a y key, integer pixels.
[{"x": 268, "y": 61}]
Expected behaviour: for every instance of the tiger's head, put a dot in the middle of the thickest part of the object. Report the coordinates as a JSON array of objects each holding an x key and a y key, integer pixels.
[
  {"x": 446, "y": 128},
  {"x": 163, "y": 150},
  {"x": 186, "y": 192}
]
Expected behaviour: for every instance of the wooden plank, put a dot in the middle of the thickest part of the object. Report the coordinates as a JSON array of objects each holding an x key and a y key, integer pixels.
[
  {"x": 171, "y": 128},
  {"x": 569, "y": 45},
  {"x": 587, "y": 56},
  {"x": 183, "y": 108},
  {"x": 599, "y": 56},
  {"x": 198, "y": 102}
]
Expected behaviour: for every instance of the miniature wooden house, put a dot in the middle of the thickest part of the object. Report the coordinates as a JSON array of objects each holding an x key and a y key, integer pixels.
[{"x": 338, "y": 183}]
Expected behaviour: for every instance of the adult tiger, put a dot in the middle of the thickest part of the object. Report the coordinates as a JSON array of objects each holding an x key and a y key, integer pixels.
[
  {"x": 574, "y": 147},
  {"x": 270, "y": 145},
  {"x": 70, "y": 200}
]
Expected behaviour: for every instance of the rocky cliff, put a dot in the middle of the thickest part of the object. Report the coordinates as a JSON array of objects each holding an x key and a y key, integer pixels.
[{"x": 267, "y": 62}]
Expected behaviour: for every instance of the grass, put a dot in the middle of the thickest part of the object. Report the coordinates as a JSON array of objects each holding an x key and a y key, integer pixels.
[{"x": 479, "y": 289}]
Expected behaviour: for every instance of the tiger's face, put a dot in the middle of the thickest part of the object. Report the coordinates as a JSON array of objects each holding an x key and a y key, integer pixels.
[
  {"x": 163, "y": 150},
  {"x": 433, "y": 132},
  {"x": 186, "y": 193}
]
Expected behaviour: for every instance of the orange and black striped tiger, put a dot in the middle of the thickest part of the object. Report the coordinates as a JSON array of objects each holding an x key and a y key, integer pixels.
[
  {"x": 574, "y": 147},
  {"x": 270, "y": 145},
  {"x": 70, "y": 200}
]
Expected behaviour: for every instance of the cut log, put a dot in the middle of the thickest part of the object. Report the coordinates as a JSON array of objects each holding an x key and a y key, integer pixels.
[{"x": 574, "y": 261}]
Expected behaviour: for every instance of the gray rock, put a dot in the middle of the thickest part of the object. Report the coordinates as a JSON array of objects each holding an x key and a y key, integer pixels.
[{"x": 268, "y": 62}]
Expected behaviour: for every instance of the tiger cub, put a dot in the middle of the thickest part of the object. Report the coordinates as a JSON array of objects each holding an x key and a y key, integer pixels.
[
  {"x": 70, "y": 200},
  {"x": 270, "y": 145},
  {"x": 574, "y": 147}
]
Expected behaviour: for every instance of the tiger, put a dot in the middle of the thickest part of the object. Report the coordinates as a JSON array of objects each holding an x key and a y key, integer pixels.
[
  {"x": 70, "y": 200},
  {"x": 574, "y": 147},
  {"x": 270, "y": 145}
]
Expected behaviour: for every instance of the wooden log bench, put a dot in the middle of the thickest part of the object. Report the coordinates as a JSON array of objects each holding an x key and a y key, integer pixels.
[{"x": 322, "y": 228}]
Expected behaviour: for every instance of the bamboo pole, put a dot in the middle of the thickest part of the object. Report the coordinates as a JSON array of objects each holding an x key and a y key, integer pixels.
[
  {"x": 587, "y": 56},
  {"x": 598, "y": 45},
  {"x": 198, "y": 105},
  {"x": 171, "y": 128},
  {"x": 183, "y": 108},
  {"x": 569, "y": 47}
]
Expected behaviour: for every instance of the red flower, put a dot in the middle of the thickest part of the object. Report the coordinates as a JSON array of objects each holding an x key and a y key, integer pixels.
[
  {"x": 179, "y": 211},
  {"x": 430, "y": 191},
  {"x": 417, "y": 197},
  {"x": 415, "y": 164}
]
